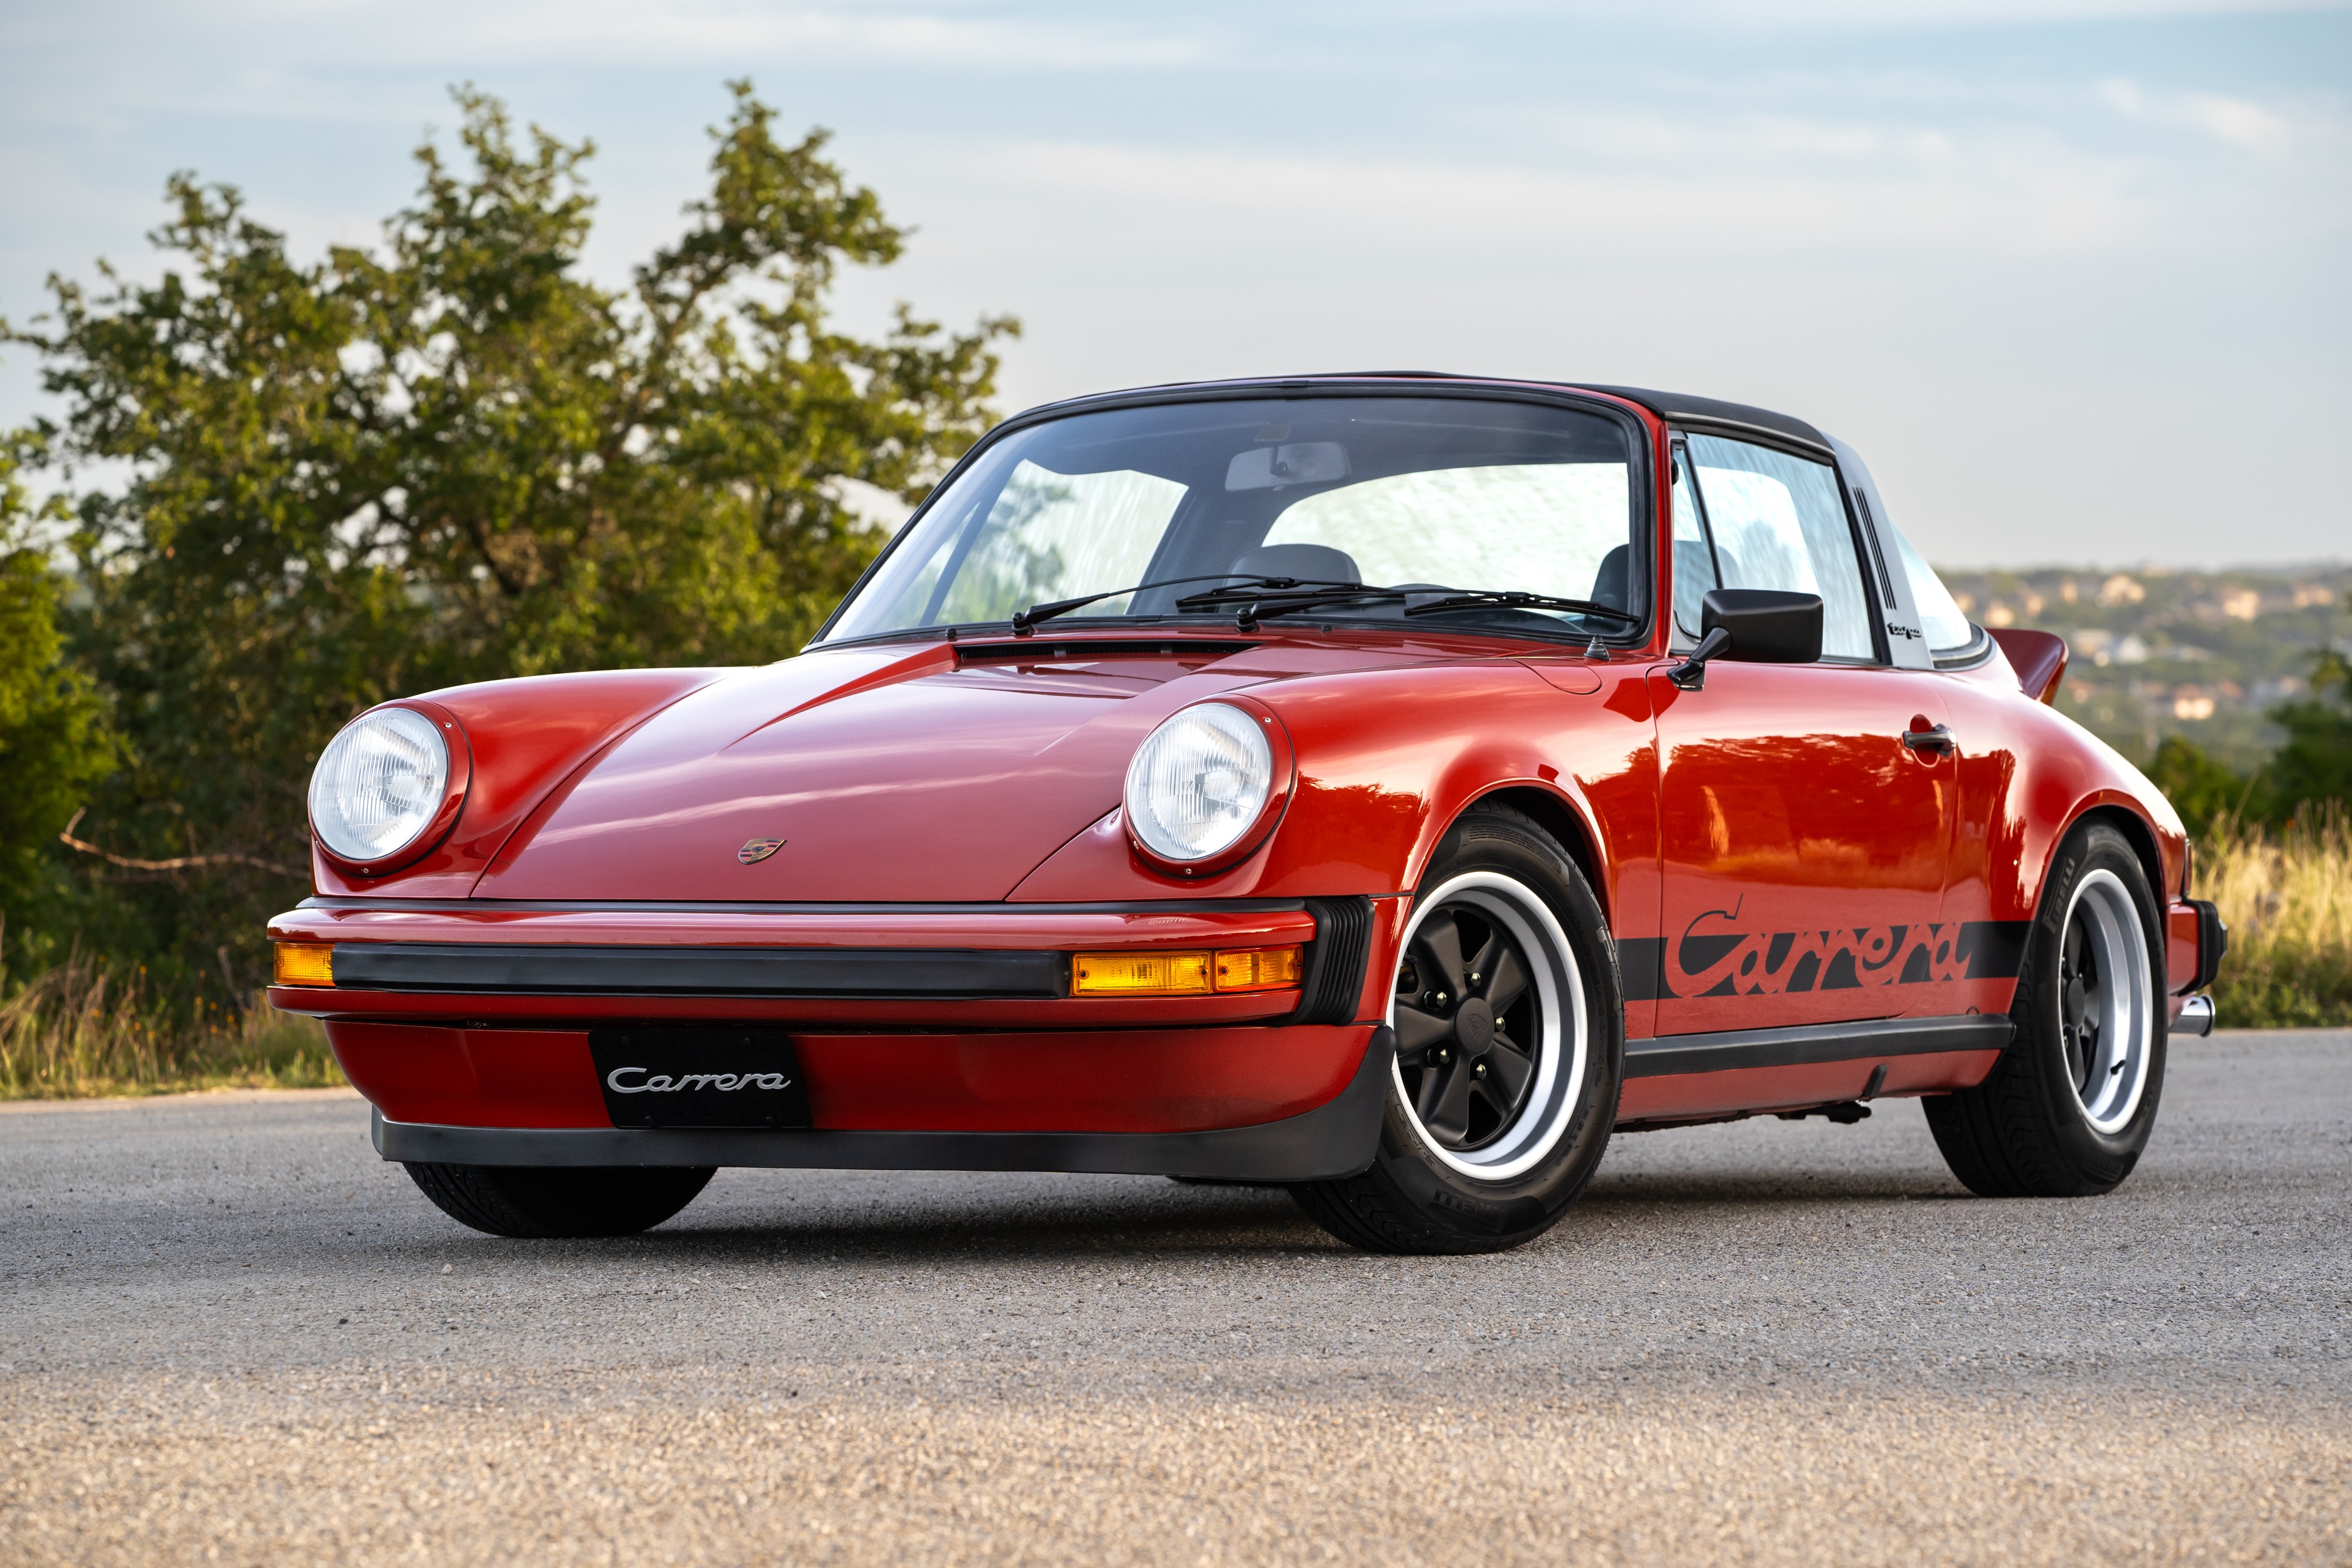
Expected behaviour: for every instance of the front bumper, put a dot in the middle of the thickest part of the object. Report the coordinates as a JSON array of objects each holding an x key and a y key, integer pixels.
[
  {"x": 464, "y": 1019},
  {"x": 1336, "y": 1138}
]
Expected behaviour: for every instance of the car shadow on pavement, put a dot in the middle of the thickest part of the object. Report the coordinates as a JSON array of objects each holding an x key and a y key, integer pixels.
[{"x": 1759, "y": 1189}]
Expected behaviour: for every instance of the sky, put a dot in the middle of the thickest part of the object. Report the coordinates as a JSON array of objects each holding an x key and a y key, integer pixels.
[{"x": 2075, "y": 277}]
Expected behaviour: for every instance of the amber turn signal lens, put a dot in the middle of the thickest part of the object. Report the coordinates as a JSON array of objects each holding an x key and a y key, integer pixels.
[
  {"x": 1140, "y": 974},
  {"x": 1258, "y": 968},
  {"x": 303, "y": 964},
  {"x": 1184, "y": 974}
]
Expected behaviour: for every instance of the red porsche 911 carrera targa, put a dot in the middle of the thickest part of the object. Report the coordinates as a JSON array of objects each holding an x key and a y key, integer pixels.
[{"x": 1386, "y": 787}]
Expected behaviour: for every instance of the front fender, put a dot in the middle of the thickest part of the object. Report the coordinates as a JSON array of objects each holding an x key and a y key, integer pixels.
[
  {"x": 1388, "y": 759},
  {"x": 527, "y": 736}
]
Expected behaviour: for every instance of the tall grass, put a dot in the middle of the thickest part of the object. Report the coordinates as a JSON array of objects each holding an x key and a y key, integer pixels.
[
  {"x": 2288, "y": 904},
  {"x": 81, "y": 1029}
]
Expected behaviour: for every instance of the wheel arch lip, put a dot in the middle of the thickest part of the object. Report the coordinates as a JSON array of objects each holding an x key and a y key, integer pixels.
[
  {"x": 2161, "y": 855},
  {"x": 1446, "y": 773}
]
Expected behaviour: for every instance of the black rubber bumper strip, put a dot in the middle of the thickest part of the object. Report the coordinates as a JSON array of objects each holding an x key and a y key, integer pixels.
[
  {"x": 887, "y": 972},
  {"x": 1338, "y": 1138},
  {"x": 1813, "y": 1043}
]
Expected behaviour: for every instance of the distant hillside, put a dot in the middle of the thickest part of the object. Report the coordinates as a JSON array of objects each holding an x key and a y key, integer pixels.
[{"x": 2159, "y": 652}]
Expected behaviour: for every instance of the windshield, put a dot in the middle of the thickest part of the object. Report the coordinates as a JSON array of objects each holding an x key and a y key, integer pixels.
[{"x": 1455, "y": 493}]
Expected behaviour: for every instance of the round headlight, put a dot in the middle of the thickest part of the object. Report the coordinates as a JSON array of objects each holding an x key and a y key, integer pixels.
[
  {"x": 380, "y": 782},
  {"x": 1199, "y": 781}
]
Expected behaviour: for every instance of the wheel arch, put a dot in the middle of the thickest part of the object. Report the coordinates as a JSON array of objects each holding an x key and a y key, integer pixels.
[
  {"x": 2136, "y": 830},
  {"x": 1558, "y": 816}
]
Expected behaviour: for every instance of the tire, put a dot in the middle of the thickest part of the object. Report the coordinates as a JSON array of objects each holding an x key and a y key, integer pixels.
[
  {"x": 538, "y": 1201},
  {"x": 2068, "y": 1108},
  {"x": 1494, "y": 1123}
]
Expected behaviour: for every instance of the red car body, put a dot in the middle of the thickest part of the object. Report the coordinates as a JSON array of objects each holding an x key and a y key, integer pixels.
[{"x": 1807, "y": 908}]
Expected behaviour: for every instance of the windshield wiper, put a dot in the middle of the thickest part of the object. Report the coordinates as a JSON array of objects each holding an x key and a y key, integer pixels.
[
  {"x": 1024, "y": 622},
  {"x": 1512, "y": 599},
  {"x": 1280, "y": 597},
  {"x": 1255, "y": 597},
  {"x": 1262, "y": 603}
]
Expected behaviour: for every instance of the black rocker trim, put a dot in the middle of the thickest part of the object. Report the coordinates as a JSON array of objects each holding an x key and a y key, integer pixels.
[
  {"x": 548, "y": 970},
  {"x": 1810, "y": 1044},
  {"x": 1336, "y": 1139}
]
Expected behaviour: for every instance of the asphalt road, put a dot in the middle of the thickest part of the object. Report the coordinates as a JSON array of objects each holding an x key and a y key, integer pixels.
[{"x": 228, "y": 1334}]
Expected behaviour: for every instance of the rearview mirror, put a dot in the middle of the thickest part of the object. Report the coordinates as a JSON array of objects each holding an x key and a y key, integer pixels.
[
  {"x": 1752, "y": 626},
  {"x": 1300, "y": 463}
]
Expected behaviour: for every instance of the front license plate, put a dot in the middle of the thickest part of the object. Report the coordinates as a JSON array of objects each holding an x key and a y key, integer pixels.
[{"x": 700, "y": 1077}]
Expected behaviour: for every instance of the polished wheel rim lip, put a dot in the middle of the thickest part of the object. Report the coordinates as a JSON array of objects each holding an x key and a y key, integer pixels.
[
  {"x": 1550, "y": 1103},
  {"x": 2107, "y": 1001}
]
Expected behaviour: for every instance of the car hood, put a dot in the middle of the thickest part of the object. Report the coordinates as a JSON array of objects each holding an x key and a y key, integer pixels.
[{"x": 939, "y": 774}]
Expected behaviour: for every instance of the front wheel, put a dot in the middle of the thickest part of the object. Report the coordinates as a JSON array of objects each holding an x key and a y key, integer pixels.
[
  {"x": 2068, "y": 1108},
  {"x": 541, "y": 1201},
  {"x": 1510, "y": 1046}
]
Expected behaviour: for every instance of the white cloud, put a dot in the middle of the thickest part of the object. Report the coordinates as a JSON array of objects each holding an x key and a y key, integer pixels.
[
  {"x": 2246, "y": 126},
  {"x": 1738, "y": 190},
  {"x": 719, "y": 32},
  {"x": 1970, "y": 13}
]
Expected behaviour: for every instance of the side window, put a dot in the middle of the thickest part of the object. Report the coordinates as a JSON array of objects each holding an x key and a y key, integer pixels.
[
  {"x": 1779, "y": 521},
  {"x": 1694, "y": 558},
  {"x": 1948, "y": 631}
]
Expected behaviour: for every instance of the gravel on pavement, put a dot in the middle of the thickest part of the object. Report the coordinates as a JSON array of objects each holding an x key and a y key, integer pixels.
[{"x": 231, "y": 1334}]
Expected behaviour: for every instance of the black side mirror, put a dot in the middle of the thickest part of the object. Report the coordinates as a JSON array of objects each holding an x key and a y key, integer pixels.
[{"x": 1753, "y": 626}]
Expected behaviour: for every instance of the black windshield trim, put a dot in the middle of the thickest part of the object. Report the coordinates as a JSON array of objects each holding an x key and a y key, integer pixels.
[{"x": 1641, "y": 461}]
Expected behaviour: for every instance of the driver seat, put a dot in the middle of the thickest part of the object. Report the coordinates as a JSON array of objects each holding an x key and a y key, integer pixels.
[{"x": 1308, "y": 563}]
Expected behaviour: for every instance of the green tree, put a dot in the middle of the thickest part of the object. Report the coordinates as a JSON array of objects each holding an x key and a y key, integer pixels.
[
  {"x": 455, "y": 457},
  {"x": 2201, "y": 786},
  {"x": 54, "y": 740},
  {"x": 2315, "y": 765}
]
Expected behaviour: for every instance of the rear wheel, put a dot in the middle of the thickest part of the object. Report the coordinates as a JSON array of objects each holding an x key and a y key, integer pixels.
[
  {"x": 560, "y": 1200},
  {"x": 2069, "y": 1107},
  {"x": 1510, "y": 1025}
]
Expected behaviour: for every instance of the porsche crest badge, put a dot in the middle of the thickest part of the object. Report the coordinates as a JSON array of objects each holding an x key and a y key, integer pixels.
[{"x": 754, "y": 850}]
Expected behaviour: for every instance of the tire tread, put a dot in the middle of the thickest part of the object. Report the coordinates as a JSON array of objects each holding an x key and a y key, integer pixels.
[{"x": 2001, "y": 1138}]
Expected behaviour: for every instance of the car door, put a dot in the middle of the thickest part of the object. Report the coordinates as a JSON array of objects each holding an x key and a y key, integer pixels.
[{"x": 1803, "y": 838}]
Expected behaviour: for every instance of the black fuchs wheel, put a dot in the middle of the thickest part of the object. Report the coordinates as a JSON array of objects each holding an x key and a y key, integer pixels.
[
  {"x": 560, "y": 1200},
  {"x": 1510, "y": 1030},
  {"x": 2069, "y": 1107}
]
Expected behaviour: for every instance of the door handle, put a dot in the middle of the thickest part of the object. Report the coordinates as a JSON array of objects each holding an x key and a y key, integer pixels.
[{"x": 1939, "y": 738}]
